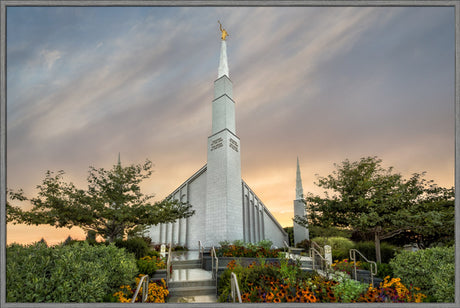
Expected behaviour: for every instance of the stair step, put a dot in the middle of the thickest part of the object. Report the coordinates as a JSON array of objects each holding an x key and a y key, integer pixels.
[
  {"x": 190, "y": 274},
  {"x": 186, "y": 264},
  {"x": 192, "y": 283},
  {"x": 193, "y": 299},
  {"x": 193, "y": 291},
  {"x": 186, "y": 261}
]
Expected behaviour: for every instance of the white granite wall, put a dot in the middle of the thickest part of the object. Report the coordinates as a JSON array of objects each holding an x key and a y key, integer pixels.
[
  {"x": 187, "y": 231},
  {"x": 224, "y": 217},
  {"x": 274, "y": 231},
  {"x": 196, "y": 230},
  {"x": 259, "y": 224}
]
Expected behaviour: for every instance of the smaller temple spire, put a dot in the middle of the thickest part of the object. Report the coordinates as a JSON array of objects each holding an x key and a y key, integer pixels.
[
  {"x": 119, "y": 160},
  {"x": 223, "y": 62},
  {"x": 298, "y": 188}
]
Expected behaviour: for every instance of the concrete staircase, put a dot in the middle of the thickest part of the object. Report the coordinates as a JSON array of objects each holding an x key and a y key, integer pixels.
[
  {"x": 306, "y": 263},
  {"x": 365, "y": 277},
  {"x": 190, "y": 283}
]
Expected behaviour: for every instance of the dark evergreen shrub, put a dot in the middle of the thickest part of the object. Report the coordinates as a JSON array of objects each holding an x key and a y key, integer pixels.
[
  {"x": 305, "y": 244},
  {"x": 135, "y": 245},
  {"x": 387, "y": 251}
]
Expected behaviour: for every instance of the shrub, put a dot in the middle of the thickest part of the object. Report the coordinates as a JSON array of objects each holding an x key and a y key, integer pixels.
[
  {"x": 119, "y": 266},
  {"x": 383, "y": 269},
  {"x": 387, "y": 251},
  {"x": 340, "y": 246},
  {"x": 179, "y": 248},
  {"x": 153, "y": 253},
  {"x": 70, "y": 241},
  {"x": 305, "y": 244},
  {"x": 345, "y": 266},
  {"x": 317, "y": 231},
  {"x": 349, "y": 290},
  {"x": 433, "y": 270},
  {"x": 266, "y": 244},
  {"x": 65, "y": 273},
  {"x": 135, "y": 245},
  {"x": 444, "y": 280},
  {"x": 149, "y": 265},
  {"x": 247, "y": 250},
  {"x": 91, "y": 237}
]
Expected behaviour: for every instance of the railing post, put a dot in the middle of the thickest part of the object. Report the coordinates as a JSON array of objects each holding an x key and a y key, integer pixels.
[
  {"x": 144, "y": 282},
  {"x": 286, "y": 246},
  {"x": 234, "y": 287},
  {"x": 214, "y": 268},
  {"x": 313, "y": 253},
  {"x": 200, "y": 253},
  {"x": 168, "y": 266},
  {"x": 145, "y": 289},
  {"x": 372, "y": 263}
]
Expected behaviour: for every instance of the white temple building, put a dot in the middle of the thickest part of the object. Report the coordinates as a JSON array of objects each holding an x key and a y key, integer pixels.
[{"x": 226, "y": 209}]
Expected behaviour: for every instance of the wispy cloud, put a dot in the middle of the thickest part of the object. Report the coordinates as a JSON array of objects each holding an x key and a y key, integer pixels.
[
  {"x": 324, "y": 84},
  {"x": 50, "y": 57}
]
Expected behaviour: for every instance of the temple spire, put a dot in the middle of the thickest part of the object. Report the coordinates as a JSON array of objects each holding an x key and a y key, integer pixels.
[
  {"x": 119, "y": 160},
  {"x": 298, "y": 188},
  {"x": 223, "y": 63}
]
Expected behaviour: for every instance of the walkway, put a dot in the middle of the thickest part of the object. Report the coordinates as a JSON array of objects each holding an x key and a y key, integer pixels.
[{"x": 189, "y": 283}]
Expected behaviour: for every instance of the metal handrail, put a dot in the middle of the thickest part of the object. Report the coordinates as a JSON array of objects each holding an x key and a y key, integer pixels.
[
  {"x": 320, "y": 249},
  {"x": 286, "y": 245},
  {"x": 234, "y": 287},
  {"x": 216, "y": 268},
  {"x": 145, "y": 289},
  {"x": 168, "y": 266},
  {"x": 372, "y": 263},
  {"x": 201, "y": 252},
  {"x": 313, "y": 251}
]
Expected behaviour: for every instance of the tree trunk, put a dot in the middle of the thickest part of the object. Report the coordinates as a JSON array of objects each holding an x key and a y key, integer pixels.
[{"x": 377, "y": 244}]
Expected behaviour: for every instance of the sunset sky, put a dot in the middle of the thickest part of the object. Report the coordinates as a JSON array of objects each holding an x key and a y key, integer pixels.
[{"x": 324, "y": 84}]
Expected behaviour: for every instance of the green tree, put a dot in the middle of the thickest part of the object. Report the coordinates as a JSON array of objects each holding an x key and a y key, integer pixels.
[
  {"x": 111, "y": 206},
  {"x": 365, "y": 197}
]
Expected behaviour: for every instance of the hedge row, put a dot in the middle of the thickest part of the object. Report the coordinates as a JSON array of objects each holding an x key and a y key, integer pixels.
[
  {"x": 341, "y": 247},
  {"x": 66, "y": 273}
]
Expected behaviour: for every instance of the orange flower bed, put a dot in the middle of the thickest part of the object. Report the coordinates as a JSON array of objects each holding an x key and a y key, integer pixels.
[
  {"x": 264, "y": 284},
  {"x": 393, "y": 291},
  {"x": 157, "y": 293}
]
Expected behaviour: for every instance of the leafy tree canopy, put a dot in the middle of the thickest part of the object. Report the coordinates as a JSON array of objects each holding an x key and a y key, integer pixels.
[
  {"x": 112, "y": 205},
  {"x": 364, "y": 196}
]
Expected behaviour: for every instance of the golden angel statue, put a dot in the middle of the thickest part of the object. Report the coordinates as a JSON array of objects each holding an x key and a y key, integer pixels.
[{"x": 224, "y": 32}]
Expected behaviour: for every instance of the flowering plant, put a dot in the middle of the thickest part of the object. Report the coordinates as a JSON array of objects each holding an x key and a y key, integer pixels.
[
  {"x": 247, "y": 252},
  {"x": 269, "y": 283},
  {"x": 157, "y": 293},
  {"x": 148, "y": 265},
  {"x": 392, "y": 290},
  {"x": 345, "y": 266}
]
